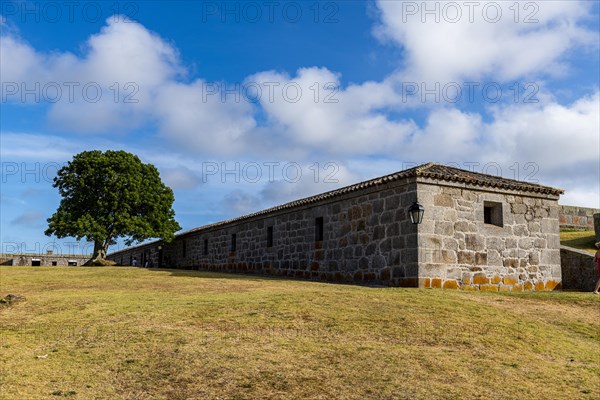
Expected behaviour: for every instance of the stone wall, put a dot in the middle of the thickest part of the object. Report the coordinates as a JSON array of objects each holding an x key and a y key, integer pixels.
[
  {"x": 367, "y": 238},
  {"x": 579, "y": 271},
  {"x": 518, "y": 251},
  {"x": 577, "y": 218},
  {"x": 44, "y": 260}
]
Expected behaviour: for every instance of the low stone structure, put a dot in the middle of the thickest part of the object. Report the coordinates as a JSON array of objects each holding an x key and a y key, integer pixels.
[
  {"x": 44, "y": 260},
  {"x": 577, "y": 218},
  {"x": 480, "y": 232},
  {"x": 579, "y": 271}
]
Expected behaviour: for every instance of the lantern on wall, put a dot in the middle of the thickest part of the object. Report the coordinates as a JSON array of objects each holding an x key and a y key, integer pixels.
[{"x": 416, "y": 212}]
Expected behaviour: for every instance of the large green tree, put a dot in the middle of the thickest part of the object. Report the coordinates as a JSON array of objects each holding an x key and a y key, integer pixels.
[{"x": 112, "y": 194}]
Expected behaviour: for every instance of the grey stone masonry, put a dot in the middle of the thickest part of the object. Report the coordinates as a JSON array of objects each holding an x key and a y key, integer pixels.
[
  {"x": 367, "y": 238},
  {"x": 479, "y": 232},
  {"x": 519, "y": 250}
]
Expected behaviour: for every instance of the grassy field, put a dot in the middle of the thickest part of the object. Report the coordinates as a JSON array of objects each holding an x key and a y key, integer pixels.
[
  {"x": 128, "y": 333},
  {"x": 583, "y": 240}
]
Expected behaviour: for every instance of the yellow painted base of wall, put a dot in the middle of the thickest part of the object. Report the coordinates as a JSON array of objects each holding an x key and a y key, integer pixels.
[{"x": 493, "y": 284}]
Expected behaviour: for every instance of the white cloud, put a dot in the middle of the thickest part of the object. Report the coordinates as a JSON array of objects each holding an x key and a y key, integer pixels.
[
  {"x": 130, "y": 64},
  {"x": 454, "y": 48},
  {"x": 126, "y": 79},
  {"x": 111, "y": 87},
  {"x": 125, "y": 51},
  {"x": 556, "y": 135},
  {"x": 201, "y": 123},
  {"x": 550, "y": 144},
  {"x": 18, "y": 60},
  {"x": 581, "y": 197},
  {"x": 180, "y": 178},
  {"x": 448, "y": 134},
  {"x": 312, "y": 111}
]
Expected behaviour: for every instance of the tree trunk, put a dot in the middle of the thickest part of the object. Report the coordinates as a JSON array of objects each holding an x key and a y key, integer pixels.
[
  {"x": 99, "y": 251},
  {"x": 99, "y": 256}
]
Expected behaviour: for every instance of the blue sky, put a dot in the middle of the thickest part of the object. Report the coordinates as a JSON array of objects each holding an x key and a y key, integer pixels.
[{"x": 245, "y": 105}]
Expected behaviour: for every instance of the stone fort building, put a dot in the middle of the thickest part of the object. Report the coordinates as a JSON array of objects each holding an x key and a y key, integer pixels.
[{"x": 479, "y": 232}]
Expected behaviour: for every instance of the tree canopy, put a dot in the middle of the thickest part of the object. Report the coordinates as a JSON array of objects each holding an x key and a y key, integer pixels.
[{"x": 112, "y": 194}]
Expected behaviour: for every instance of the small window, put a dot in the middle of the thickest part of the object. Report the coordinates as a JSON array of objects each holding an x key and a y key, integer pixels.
[
  {"x": 72, "y": 263},
  {"x": 233, "y": 242},
  {"x": 319, "y": 229},
  {"x": 36, "y": 262},
  {"x": 492, "y": 213},
  {"x": 269, "y": 236},
  {"x": 205, "y": 247},
  {"x": 54, "y": 263},
  {"x": 183, "y": 248}
]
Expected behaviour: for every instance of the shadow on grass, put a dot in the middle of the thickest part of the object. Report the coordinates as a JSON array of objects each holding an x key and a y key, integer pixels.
[
  {"x": 582, "y": 240},
  {"x": 259, "y": 277},
  {"x": 221, "y": 275}
]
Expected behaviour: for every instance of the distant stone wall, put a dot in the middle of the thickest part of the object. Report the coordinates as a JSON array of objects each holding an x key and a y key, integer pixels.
[
  {"x": 518, "y": 250},
  {"x": 579, "y": 271},
  {"x": 43, "y": 260},
  {"x": 577, "y": 218}
]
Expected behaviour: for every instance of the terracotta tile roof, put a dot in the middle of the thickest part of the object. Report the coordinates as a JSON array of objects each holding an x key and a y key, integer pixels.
[
  {"x": 442, "y": 172},
  {"x": 429, "y": 170}
]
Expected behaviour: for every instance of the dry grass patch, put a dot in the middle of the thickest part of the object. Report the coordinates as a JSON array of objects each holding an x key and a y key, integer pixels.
[{"x": 129, "y": 333}]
